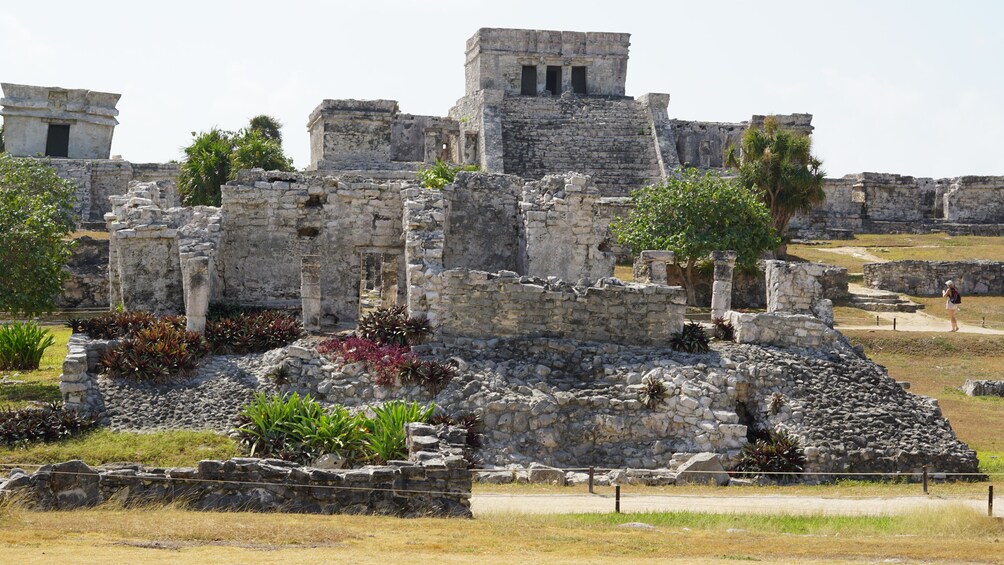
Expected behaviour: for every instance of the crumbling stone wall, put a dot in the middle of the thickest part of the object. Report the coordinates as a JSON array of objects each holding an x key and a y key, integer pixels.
[
  {"x": 565, "y": 234},
  {"x": 927, "y": 278},
  {"x": 976, "y": 200},
  {"x": 434, "y": 481},
  {"x": 796, "y": 288},
  {"x": 272, "y": 219},
  {"x": 98, "y": 179},
  {"x": 87, "y": 286},
  {"x": 481, "y": 223}
]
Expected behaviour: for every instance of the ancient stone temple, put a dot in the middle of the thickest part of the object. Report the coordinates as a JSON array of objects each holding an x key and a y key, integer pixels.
[
  {"x": 58, "y": 122},
  {"x": 536, "y": 102}
]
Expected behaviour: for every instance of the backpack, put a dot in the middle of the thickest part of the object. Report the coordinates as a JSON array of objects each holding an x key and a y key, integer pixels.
[{"x": 956, "y": 297}]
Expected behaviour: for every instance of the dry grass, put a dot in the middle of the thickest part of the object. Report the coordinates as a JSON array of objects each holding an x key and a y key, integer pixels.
[
  {"x": 42, "y": 384},
  {"x": 92, "y": 234},
  {"x": 171, "y": 535},
  {"x": 975, "y": 310}
]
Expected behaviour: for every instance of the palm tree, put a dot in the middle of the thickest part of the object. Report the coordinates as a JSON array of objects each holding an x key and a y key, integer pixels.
[
  {"x": 269, "y": 127},
  {"x": 778, "y": 163}
]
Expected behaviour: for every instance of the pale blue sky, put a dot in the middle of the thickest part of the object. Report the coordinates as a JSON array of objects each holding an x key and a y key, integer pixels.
[{"x": 906, "y": 87}]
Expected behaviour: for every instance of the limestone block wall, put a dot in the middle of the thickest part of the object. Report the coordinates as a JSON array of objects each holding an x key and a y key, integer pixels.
[
  {"x": 610, "y": 140},
  {"x": 78, "y": 382},
  {"x": 703, "y": 144},
  {"x": 782, "y": 329},
  {"x": 565, "y": 234},
  {"x": 272, "y": 219},
  {"x": 434, "y": 481},
  {"x": 480, "y": 117},
  {"x": 796, "y": 288},
  {"x": 147, "y": 244},
  {"x": 927, "y": 278},
  {"x": 481, "y": 223},
  {"x": 484, "y": 305},
  {"x": 975, "y": 199},
  {"x": 87, "y": 286},
  {"x": 99, "y": 179}
]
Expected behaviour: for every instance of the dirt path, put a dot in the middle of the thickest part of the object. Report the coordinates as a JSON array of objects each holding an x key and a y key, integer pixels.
[
  {"x": 492, "y": 503},
  {"x": 856, "y": 252},
  {"x": 919, "y": 321}
]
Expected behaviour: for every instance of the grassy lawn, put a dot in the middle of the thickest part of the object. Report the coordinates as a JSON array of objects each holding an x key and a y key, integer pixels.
[
  {"x": 170, "y": 535},
  {"x": 41, "y": 384},
  {"x": 898, "y": 247}
]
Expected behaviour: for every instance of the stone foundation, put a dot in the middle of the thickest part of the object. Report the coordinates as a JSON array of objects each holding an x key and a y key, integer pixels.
[{"x": 434, "y": 481}]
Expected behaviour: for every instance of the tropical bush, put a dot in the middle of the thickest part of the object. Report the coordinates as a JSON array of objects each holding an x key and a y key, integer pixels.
[
  {"x": 387, "y": 436},
  {"x": 724, "y": 330},
  {"x": 298, "y": 428},
  {"x": 653, "y": 391},
  {"x": 252, "y": 332},
  {"x": 431, "y": 375},
  {"x": 392, "y": 326},
  {"x": 385, "y": 361},
  {"x": 779, "y": 456},
  {"x": 690, "y": 339},
  {"x": 40, "y": 424},
  {"x": 441, "y": 173},
  {"x": 22, "y": 345},
  {"x": 113, "y": 325},
  {"x": 160, "y": 352}
]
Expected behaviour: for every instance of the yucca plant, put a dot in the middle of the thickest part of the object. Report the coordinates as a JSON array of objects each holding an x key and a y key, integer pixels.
[
  {"x": 22, "y": 345},
  {"x": 691, "y": 339},
  {"x": 724, "y": 330},
  {"x": 335, "y": 430},
  {"x": 267, "y": 425},
  {"x": 431, "y": 375},
  {"x": 387, "y": 436},
  {"x": 653, "y": 391}
]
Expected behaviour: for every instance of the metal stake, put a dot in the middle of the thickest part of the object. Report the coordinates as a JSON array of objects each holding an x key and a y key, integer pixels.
[
  {"x": 617, "y": 499},
  {"x": 990, "y": 501},
  {"x": 925, "y": 479},
  {"x": 591, "y": 471}
]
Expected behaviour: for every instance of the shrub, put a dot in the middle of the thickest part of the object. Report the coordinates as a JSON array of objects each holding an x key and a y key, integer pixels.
[
  {"x": 392, "y": 326},
  {"x": 22, "y": 345},
  {"x": 387, "y": 436},
  {"x": 691, "y": 339},
  {"x": 441, "y": 173},
  {"x": 47, "y": 423},
  {"x": 724, "y": 330},
  {"x": 467, "y": 420},
  {"x": 252, "y": 332},
  {"x": 431, "y": 375},
  {"x": 385, "y": 361},
  {"x": 159, "y": 352},
  {"x": 114, "y": 325},
  {"x": 653, "y": 391},
  {"x": 779, "y": 456},
  {"x": 299, "y": 429}
]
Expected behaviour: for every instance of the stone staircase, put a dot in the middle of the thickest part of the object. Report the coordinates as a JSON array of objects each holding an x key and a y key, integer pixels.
[
  {"x": 880, "y": 301},
  {"x": 608, "y": 139}
]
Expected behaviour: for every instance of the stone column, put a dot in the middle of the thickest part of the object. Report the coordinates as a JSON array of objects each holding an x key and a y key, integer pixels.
[
  {"x": 310, "y": 292},
  {"x": 196, "y": 290},
  {"x": 657, "y": 262},
  {"x": 721, "y": 291}
]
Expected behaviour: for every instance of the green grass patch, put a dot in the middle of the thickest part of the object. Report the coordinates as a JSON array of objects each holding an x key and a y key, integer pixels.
[
  {"x": 167, "y": 449},
  {"x": 927, "y": 344},
  {"x": 19, "y": 388},
  {"x": 20, "y": 394},
  {"x": 992, "y": 462}
]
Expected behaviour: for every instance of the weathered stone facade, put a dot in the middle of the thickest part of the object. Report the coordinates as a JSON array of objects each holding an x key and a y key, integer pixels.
[
  {"x": 98, "y": 180},
  {"x": 434, "y": 481},
  {"x": 87, "y": 285},
  {"x": 927, "y": 278},
  {"x": 58, "y": 122}
]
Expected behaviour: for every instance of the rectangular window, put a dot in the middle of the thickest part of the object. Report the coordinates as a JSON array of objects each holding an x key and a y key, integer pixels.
[
  {"x": 579, "y": 80},
  {"x": 57, "y": 143},
  {"x": 528, "y": 86},
  {"x": 553, "y": 80}
]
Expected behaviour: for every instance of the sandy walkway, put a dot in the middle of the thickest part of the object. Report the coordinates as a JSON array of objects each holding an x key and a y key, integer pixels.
[
  {"x": 919, "y": 321},
  {"x": 490, "y": 503},
  {"x": 856, "y": 252}
]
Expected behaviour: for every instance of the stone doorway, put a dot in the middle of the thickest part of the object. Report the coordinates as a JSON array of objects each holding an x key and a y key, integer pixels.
[{"x": 57, "y": 142}]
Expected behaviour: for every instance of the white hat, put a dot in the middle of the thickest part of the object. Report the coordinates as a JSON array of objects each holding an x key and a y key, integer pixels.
[{"x": 949, "y": 283}]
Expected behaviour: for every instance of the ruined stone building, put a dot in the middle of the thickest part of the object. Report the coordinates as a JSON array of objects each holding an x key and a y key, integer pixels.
[
  {"x": 73, "y": 128},
  {"x": 535, "y": 103}
]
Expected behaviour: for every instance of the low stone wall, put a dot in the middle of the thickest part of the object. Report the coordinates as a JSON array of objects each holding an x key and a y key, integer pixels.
[
  {"x": 782, "y": 329},
  {"x": 434, "y": 481},
  {"x": 983, "y": 388},
  {"x": 484, "y": 305},
  {"x": 927, "y": 278},
  {"x": 87, "y": 286},
  {"x": 78, "y": 382}
]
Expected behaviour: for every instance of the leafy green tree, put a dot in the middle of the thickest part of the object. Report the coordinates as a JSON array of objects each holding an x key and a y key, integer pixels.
[
  {"x": 779, "y": 164},
  {"x": 214, "y": 157},
  {"x": 692, "y": 215},
  {"x": 269, "y": 127},
  {"x": 36, "y": 215},
  {"x": 254, "y": 150}
]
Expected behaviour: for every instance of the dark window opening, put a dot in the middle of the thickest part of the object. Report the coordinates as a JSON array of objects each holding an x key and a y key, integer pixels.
[
  {"x": 554, "y": 80},
  {"x": 57, "y": 143},
  {"x": 579, "y": 80},
  {"x": 528, "y": 86}
]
